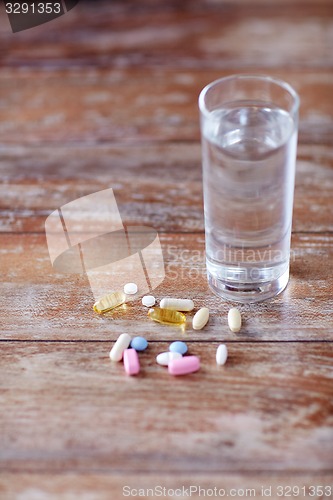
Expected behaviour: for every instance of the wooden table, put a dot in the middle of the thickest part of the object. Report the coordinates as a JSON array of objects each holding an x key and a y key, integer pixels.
[{"x": 106, "y": 96}]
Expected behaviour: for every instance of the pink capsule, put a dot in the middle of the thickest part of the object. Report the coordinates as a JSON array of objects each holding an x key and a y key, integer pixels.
[
  {"x": 131, "y": 362},
  {"x": 184, "y": 365}
]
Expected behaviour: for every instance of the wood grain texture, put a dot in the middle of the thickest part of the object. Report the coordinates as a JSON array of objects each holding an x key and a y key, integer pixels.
[
  {"x": 166, "y": 194},
  {"x": 99, "y": 105},
  {"x": 39, "y": 303},
  {"x": 106, "y": 96},
  {"x": 243, "y": 416},
  {"x": 100, "y": 486},
  {"x": 207, "y": 34}
]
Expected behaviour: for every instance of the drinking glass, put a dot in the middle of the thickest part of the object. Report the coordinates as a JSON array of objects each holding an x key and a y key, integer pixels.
[{"x": 249, "y": 140}]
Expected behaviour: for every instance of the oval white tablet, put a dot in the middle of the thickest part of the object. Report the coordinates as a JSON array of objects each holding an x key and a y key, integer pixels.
[
  {"x": 130, "y": 288},
  {"x": 234, "y": 320},
  {"x": 177, "y": 304},
  {"x": 148, "y": 300},
  {"x": 164, "y": 358},
  {"x": 122, "y": 343},
  {"x": 200, "y": 318},
  {"x": 221, "y": 354}
]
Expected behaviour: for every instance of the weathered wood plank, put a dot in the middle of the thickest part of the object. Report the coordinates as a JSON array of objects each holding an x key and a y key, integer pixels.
[
  {"x": 68, "y": 407},
  {"x": 103, "y": 486},
  {"x": 106, "y": 96},
  {"x": 166, "y": 194},
  {"x": 207, "y": 34},
  {"x": 39, "y": 303},
  {"x": 144, "y": 104}
]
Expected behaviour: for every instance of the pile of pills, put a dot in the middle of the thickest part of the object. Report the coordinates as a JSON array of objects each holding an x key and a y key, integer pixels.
[
  {"x": 126, "y": 349},
  {"x": 171, "y": 311},
  {"x": 181, "y": 365}
]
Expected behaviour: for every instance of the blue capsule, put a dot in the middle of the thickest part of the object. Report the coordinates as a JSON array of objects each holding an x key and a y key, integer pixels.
[
  {"x": 139, "y": 343},
  {"x": 178, "y": 346}
]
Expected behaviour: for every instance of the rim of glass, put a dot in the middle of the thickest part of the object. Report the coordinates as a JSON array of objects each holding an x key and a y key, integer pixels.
[{"x": 281, "y": 83}]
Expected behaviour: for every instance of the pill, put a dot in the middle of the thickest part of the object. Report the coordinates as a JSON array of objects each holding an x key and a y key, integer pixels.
[
  {"x": 166, "y": 316},
  {"x": 164, "y": 358},
  {"x": 200, "y": 318},
  {"x": 139, "y": 343},
  {"x": 221, "y": 354},
  {"x": 109, "y": 302},
  {"x": 177, "y": 304},
  {"x": 234, "y": 320},
  {"x": 178, "y": 346},
  {"x": 130, "y": 288},
  {"x": 148, "y": 300},
  {"x": 122, "y": 343},
  {"x": 131, "y": 362},
  {"x": 182, "y": 366}
]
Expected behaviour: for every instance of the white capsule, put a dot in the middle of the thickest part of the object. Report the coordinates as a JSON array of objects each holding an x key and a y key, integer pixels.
[
  {"x": 122, "y": 343},
  {"x": 234, "y": 320},
  {"x": 130, "y": 288},
  {"x": 200, "y": 318},
  {"x": 164, "y": 358},
  {"x": 177, "y": 304},
  {"x": 148, "y": 300},
  {"x": 221, "y": 354}
]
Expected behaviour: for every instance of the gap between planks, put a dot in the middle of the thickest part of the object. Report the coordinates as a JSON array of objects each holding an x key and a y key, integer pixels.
[
  {"x": 8, "y": 233},
  {"x": 108, "y": 341},
  {"x": 163, "y": 472}
]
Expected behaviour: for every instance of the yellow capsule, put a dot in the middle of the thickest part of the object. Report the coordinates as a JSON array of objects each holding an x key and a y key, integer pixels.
[
  {"x": 166, "y": 316},
  {"x": 109, "y": 302}
]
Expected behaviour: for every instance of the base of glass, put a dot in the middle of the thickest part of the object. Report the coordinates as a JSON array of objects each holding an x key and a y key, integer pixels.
[{"x": 248, "y": 292}]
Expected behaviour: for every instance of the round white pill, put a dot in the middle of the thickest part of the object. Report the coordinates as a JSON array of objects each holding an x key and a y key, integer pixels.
[
  {"x": 130, "y": 288},
  {"x": 148, "y": 300},
  {"x": 234, "y": 320},
  {"x": 221, "y": 354}
]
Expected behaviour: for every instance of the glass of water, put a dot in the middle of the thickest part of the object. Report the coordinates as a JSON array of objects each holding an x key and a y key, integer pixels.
[{"x": 249, "y": 140}]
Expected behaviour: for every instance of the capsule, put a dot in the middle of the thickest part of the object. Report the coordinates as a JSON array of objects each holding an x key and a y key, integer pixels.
[
  {"x": 131, "y": 362},
  {"x": 122, "y": 343},
  {"x": 200, "y": 318},
  {"x": 177, "y": 304},
  {"x": 221, "y": 354},
  {"x": 185, "y": 365},
  {"x": 164, "y": 358},
  {"x": 166, "y": 316},
  {"x": 109, "y": 302},
  {"x": 234, "y": 320}
]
